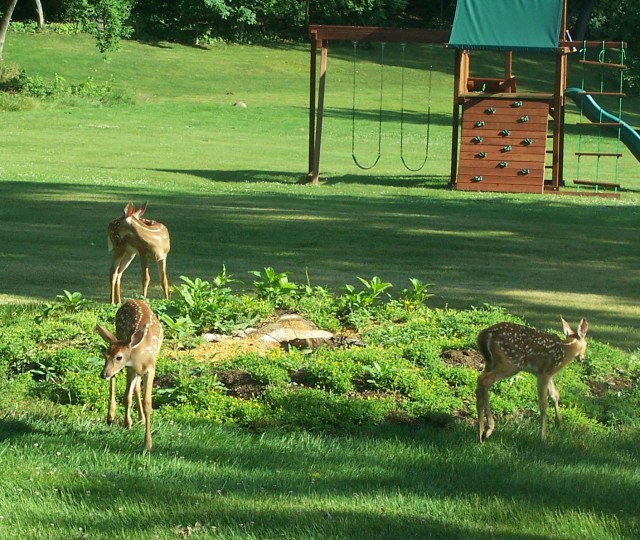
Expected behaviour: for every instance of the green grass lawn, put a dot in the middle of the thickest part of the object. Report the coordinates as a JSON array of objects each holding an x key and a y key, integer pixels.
[
  {"x": 75, "y": 478},
  {"x": 226, "y": 181},
  {"x": 229, "y": 184}
]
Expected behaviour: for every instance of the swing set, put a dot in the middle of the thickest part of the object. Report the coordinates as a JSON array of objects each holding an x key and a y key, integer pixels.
[
  {"x": 320, "y": 38},
  {"x": 358, "y": 164},
  {"x": 503, "y": 138}
]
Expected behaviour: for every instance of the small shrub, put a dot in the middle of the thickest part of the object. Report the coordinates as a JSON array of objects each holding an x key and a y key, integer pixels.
[
  {"x": 190, "y": 385},
  {"x": 333, "y": 370},
  {"x": 414, "y": 297},
  {"x": 274, "y": 287},
  {"x": 355, "y": 306},
  {"x": 273, "y": 370},
  {"x": 319, "y": 306},
  {"x": 68, "y": 376},
  {"x": 202, "y": 306}
]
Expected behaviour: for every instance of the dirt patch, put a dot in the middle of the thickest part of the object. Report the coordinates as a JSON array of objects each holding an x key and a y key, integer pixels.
[
  {"x": 616, "y": 382},
  {"x": 469, "y": 358},
  {"x": 217, "y": 351},
  {"x": 239, "y": 383}
]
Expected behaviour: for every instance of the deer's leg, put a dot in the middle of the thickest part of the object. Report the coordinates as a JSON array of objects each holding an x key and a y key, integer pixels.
[
  {"x": 162, "y": 271},
  {"x": 148, "y": 385},
  {"x": 502, "y": 370},
  {"x": 132, "y": 382},
  {"x": 543, "y": 388},
  {"x": 555, "y": 397},
  {"x": 485, "y": 380},
  {"x": 114, "y": 295},
  {"x": 123, "y": 263},
  {"x": 145, "y": 273},
  {"x": 138, "y": 400},
  {"x": 111, "y": 414}
]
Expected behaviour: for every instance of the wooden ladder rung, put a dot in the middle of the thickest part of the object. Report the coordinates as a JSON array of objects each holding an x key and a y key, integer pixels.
[
  {"x": 598, "y": 154},
  {"x": 596, "y": 183},
  {"x": 603, "y": 64},
  {"x": 599, "y": 124},
  {"x": 588, "y": 93}
]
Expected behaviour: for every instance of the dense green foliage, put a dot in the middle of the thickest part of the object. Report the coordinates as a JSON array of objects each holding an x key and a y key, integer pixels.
[
  {"x": 207, "y": 21},
  {"x": 399, "y": 373}
]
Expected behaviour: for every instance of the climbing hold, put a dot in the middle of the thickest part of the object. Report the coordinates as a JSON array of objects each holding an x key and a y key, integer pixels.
[
  {"x": 479, "y": 123},
  {"x": 524, "y": 171},
  {"x": 527, "y": 141},
  {"x": 482, "y": 155},
  {"x": 505, "y": 133},
  {"x": 524, "y": 118},
  {"x": 517, "y": 103},
  {"x": 477, "y": 179},
  {"x": 490, "y": 110},
  {"x": 503, "y": 164},
  {"x": 477, "y": 139},
  {"x": 506, "y": 148}
]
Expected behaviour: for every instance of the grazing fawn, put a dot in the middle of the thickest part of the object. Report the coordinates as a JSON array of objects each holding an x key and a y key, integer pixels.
[
  {"x": 510, "y": 348},
  {"x": 130, "y": 235},
  {"x": 135, "y": 346}
]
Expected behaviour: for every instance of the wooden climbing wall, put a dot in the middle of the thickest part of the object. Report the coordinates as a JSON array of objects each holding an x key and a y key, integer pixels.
[{"x": 503, "y": 145}]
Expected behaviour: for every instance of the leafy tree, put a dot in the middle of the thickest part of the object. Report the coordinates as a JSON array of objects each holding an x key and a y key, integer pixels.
[
  {"x": 105, "y": 19},
  {"x": 620, "y": 20}
]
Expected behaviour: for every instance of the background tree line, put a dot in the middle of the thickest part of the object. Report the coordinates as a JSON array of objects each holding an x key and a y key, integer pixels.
[{"x": 205, "y": 21}]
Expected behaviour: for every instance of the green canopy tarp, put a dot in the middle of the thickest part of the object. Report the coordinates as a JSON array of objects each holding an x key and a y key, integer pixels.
[{"x": 507, "y": 25}]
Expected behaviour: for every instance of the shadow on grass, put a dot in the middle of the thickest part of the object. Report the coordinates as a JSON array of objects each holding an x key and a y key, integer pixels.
[
  {"x": 279, "y": 177},
  {"x": 540, "y": 257},
  {"x": 391, "y": 481},
  {"x": 11, "y": 429}
]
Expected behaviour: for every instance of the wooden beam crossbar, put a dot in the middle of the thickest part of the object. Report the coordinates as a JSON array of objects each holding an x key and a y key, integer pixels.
[
  {"x": 602, "y": 64},
  {"x": 377, "y": 34}
]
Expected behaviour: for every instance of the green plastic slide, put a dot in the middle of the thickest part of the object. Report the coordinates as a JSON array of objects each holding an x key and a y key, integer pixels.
[{"x": 595, "y": 113}]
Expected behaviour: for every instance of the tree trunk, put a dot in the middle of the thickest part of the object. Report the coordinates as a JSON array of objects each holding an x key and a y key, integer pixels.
[
  {"x": 9, "y": 6},
  {"x": 40, "y": 13},
  {"x": 583, "y": 16}
]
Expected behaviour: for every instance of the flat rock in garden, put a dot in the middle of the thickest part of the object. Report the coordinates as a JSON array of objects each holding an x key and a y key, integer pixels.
[
  {"x": 292, "y": 330},
  {"x": 287, "y": 332}
]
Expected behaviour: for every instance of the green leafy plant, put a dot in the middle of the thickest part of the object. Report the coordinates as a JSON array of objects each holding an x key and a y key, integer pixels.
[
  {"x": 204, "y": 305},
  {"x": 191, "y": 385},
  {"x": 414, "y": 297},
  {"x": 274, "y": 287},
  {"x": 356, "y": 305},
  {"x": 67, "y": 302}
]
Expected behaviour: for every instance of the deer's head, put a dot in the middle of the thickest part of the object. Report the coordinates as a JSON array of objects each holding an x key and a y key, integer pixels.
[{"x": 118, "y": 352}]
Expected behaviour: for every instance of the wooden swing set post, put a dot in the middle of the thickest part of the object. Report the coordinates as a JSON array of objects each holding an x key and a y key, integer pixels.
[{"x": 320, "y": 35}]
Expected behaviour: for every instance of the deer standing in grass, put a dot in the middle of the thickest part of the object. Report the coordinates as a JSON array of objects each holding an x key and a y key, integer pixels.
[
  {"x": 510, "y": 348},
  {"x": 130, "y": 235},
  {"x": 135, "y": 347}
]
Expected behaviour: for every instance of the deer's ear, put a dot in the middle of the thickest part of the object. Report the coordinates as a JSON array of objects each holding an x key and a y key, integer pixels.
[
  {"x": 105, "y": 334},
  {"x": 138, "y": 336},
  {"x": 582, "y": 328},
  {"x": 129, "y": 210},
  {"x": 566, "y": 328},
  {"x": 142, "y": 208}
]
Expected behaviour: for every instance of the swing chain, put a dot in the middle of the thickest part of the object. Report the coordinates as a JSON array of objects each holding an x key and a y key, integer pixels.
[
  {"x": 402, "y": 122},
  {"x": 353, "y": 109}
]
